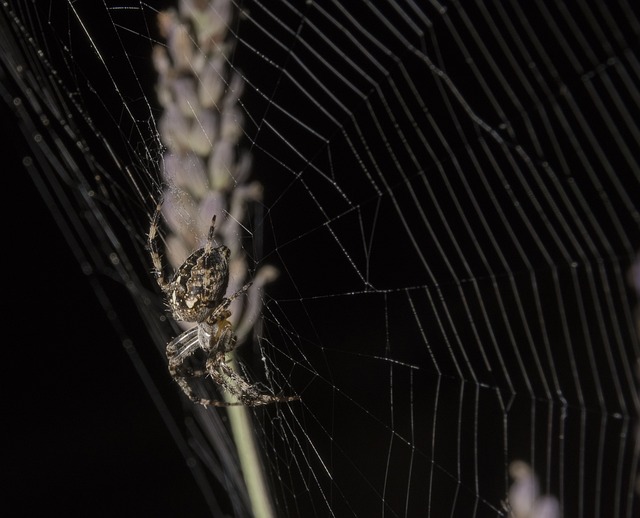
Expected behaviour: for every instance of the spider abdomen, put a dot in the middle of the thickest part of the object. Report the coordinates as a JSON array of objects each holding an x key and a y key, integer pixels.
[{"x": 199, "y": 285}]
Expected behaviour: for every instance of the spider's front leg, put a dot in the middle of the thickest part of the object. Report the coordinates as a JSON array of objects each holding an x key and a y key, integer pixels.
[
  {"x": 218, "y": 318},
  {"x": 152, "y": 245}
]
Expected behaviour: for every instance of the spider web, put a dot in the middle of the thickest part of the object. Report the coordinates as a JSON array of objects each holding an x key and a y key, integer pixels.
[{"x": 451, "y": 198}]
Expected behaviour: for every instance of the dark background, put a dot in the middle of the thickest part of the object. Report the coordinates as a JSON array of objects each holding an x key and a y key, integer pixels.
[{"x": 84, "y": 436}]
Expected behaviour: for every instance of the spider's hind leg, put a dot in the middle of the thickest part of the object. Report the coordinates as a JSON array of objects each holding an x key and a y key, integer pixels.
[
  {"x": 234, "y": 384},
  {"x": 182, "y": 374},
  {"x": 190, "y": 393}
]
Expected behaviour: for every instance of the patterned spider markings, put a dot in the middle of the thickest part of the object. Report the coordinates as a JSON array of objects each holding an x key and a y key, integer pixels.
[{"x": 196, "y": 293}]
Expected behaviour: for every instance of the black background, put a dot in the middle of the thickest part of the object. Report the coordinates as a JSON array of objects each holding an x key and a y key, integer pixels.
[{"x": 84, "y": 436}]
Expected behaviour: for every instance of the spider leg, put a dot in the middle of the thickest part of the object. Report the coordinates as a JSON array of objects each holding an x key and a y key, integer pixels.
[
  {"x": 183, "y": 346},
  {"x": 178, "y": 350},
  {"x": 228, "y": 379},
  {"x": 152, "y": 244},
  {"x": 214, "y": 336},
  {"x": 221, "y": 312},
  {"x": 208, "y": 247},
  {"x": 186, "y": 388},
  {"x": 224, "y": 340},
  {"x": 241, "y": 291}
]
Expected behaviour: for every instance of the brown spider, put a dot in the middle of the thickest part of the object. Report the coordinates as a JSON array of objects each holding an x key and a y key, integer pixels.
[{"x": 195, "y": 293}]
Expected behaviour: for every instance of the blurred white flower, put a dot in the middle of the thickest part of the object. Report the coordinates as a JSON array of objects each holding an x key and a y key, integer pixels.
[{"x": 524, "y": 498}]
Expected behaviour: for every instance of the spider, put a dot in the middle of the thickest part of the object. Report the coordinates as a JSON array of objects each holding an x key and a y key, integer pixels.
[{"x": 195, "y": 293}]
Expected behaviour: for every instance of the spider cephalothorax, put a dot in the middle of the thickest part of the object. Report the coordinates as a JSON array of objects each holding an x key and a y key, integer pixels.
[{"x": 196, "y": 293}]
